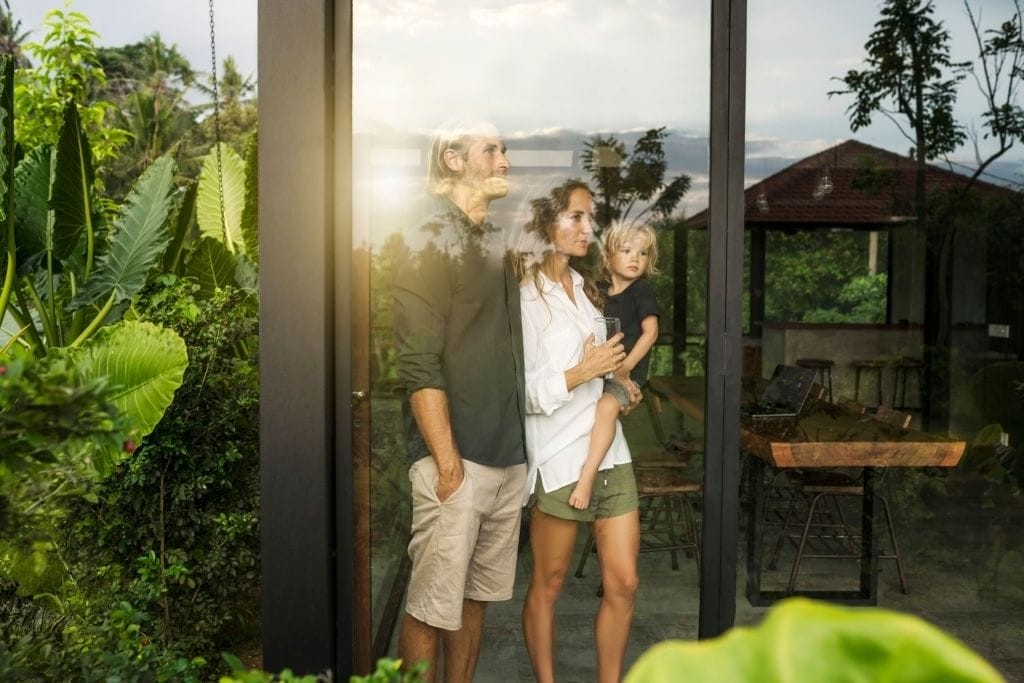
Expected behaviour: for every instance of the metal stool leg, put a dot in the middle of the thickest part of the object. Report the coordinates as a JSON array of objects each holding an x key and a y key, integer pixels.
[
  {"x": 588, "y": 548},
  {"x": 895, "y": 546},
  {"x": 690, "y": 521},
  {"x": 803, "y": 541}
]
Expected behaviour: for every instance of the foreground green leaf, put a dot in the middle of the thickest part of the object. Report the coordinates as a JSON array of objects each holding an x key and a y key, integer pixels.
[
  {"x": 143, "y": 365},
  {"x": 208, "y": 200},
  {"x": 138, "y": 240},
  {"x": 802, "y": 641},
  {"x": 71, "y": 196}
]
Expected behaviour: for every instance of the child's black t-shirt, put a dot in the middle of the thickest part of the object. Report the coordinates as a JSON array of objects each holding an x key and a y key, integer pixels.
[{"x": 630, "y": 306}]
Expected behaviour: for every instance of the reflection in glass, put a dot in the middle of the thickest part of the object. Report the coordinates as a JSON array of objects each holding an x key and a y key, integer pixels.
[
  {"x": 612, "y": 93},
  {"x": 915, "y": 457}
]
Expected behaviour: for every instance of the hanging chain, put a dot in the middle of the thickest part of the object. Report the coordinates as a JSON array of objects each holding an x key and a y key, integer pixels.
[{"x": 216, "y": 130}]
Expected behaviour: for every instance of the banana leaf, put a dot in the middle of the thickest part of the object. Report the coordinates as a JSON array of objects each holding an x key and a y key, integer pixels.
[{"x": 208, "y": 200}]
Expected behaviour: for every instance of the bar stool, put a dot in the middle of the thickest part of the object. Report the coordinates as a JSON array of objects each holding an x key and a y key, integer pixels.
[
  {"x": 823, "y": 366},
  {"x": 868, "y": 366},
  {"x": 668, "y": 498},
  {"x": 904, "y": 366}
]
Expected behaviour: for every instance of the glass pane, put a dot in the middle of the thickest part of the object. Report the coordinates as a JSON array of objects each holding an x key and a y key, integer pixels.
[
  {"x": 904, "y": 311},
  {"x": 615, "y": 94}
]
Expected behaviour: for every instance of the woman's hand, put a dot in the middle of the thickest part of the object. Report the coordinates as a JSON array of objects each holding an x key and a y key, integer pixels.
[{"x": 602, "y": 359}]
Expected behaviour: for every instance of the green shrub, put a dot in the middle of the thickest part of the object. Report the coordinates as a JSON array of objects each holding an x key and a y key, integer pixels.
[{"x": 176, "y": 528}]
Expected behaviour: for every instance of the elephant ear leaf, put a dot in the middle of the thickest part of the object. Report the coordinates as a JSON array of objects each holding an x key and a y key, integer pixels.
[
  {"x": 137, "y": 240},
  {"x": 6, "y": 180},
  {"x": 223, "y": 169},
  {"x": 71, "y": 199},
  {"x": 142, "y": 364},
  {"x": 211, "y": 265},
  {"x": 32, "y": 219},
  {"x": 250, "y": 213},
  {"x": 6, "y": 140}
]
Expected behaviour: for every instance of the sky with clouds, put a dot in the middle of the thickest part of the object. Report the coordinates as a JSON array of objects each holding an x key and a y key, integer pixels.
[{"x": 583, "y": 65}]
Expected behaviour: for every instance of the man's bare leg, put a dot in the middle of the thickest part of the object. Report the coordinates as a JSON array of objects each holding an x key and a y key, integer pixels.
[
  {"x": 419, "y": 642},
  {"x": 462, "y": 647}
]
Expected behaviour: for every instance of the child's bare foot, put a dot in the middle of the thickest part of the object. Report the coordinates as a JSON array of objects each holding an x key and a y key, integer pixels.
[{"x": 580, "y": 496}]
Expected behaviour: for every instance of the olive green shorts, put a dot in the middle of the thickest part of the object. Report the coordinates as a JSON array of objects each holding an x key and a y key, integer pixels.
[{"x": 614, "y": 494}]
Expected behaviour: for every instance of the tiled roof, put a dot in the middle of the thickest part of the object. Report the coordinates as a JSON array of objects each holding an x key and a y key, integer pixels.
[{"x": 872, "y": 188}]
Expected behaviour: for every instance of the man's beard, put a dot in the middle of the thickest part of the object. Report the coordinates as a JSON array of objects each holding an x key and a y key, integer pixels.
[{"x": 494, "y": 187}]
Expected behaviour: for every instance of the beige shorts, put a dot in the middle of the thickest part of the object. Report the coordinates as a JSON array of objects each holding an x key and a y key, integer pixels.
[{"x": 466, "y": 546}]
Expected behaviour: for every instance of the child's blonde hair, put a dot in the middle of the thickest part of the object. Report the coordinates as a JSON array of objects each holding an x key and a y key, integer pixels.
[{"x": 642, "y": 236}]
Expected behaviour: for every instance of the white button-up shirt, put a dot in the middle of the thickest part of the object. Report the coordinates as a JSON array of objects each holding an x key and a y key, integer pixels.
[{"x": 559, "y": 421}]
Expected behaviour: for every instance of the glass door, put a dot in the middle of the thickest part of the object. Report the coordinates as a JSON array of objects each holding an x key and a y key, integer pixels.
[
  {"x": 615, "y": 95},
  {"x": 901, "y": 483}
]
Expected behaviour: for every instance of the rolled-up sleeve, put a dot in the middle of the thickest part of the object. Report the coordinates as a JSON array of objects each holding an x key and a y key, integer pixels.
[
  {"x": 421, "y": 294},
  {"x": 545, "y": 380}
]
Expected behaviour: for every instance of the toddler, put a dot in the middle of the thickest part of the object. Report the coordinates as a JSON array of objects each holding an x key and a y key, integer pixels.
[{"x": 629, "y": 255}]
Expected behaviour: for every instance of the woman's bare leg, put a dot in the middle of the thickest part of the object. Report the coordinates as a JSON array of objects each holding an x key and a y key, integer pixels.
[
  {"x": 618, "y": 545},
  {"x": 552, "y": 541}
]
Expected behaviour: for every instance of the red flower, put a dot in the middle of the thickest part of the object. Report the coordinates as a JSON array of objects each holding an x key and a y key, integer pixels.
[{"x": 129, "y": 446}]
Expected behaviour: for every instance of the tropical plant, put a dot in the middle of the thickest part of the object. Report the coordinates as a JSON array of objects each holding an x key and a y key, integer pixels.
[
  {"x": 625, "y": 181},
  {"x": 181, "y": 515},
  {"x": 805, "y": 641},
  {"x": 147, "y": 83},
  {"x": 12, "y": 37},
  {"x": 228, "y": 249},
  {"x": 66, "y": 68},
  {"x": 911, "y": 79},
  {"x": 234, "y": 120}
]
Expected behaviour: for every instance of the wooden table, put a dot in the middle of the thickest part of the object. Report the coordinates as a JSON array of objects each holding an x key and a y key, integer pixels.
[{"x": 824, "y": 435}]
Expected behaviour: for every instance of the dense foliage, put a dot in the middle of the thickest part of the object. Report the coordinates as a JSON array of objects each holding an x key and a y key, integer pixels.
[
  {"x": 128, "y": 521},
  {"x": 181, "y": 515}
]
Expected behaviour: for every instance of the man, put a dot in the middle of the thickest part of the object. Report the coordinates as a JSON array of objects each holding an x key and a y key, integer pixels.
[{"x": 458, "y": 336}]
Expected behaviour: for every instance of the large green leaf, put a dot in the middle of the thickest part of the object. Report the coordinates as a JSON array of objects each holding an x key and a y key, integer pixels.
[
  {"x": 33, "y": 221},
  {"x": 142, "y": 364},
  {"x": 7, "y": 243},
  {"x": 184, "y": 222},
  {"x": 211, "y": 265},
  {"x": 250, "y": 213},
  {"x": 802, "y": 641},
  {"x": 138, "y": 238},
  {"x": 71, "y": 197},
  {"x": 6, "y": 142},
  {"x": 208, "y": 200}
]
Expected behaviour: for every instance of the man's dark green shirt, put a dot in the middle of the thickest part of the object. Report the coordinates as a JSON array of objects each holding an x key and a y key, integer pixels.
[{"x": 458, "y": 328}]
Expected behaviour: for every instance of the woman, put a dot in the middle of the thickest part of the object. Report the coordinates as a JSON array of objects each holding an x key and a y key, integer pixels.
[{"x": 564, "y": 380}]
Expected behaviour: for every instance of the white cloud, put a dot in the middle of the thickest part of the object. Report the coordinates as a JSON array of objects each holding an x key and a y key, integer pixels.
[{"x": 520, "y": 14}]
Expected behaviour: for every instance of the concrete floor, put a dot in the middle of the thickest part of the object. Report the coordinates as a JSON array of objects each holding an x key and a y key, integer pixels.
[{"x": 963, "y": 555}]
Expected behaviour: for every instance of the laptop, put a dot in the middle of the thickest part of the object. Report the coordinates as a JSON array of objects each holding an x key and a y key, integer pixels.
[{"x": 785, "y": 394}]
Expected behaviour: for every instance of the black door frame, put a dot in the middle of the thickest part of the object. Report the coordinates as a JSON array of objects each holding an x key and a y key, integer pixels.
[{"x": 306, "y": 289}]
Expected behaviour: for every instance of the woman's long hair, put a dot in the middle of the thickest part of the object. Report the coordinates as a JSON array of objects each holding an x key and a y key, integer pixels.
[{"x": 544, "y": 213}]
